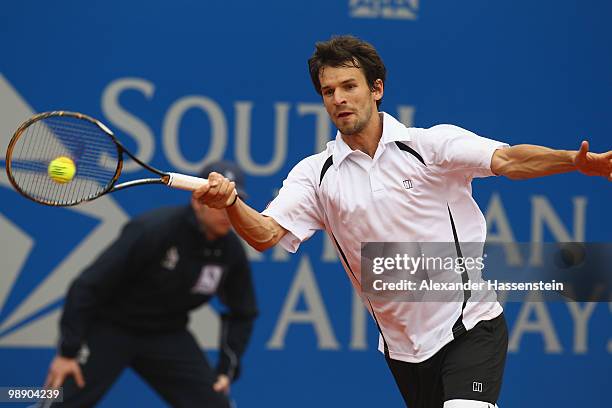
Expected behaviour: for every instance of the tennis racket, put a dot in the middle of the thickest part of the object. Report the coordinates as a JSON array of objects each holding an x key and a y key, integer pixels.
[{"x": 65, "y": 158}]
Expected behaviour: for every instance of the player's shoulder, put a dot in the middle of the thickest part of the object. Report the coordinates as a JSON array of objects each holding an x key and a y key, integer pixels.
[
  {"x": 438, "y": 133},
  {"x": 439, "y": 140},
  {"x": 310, "y": 166},
  {"x": 420, "y": 139}
]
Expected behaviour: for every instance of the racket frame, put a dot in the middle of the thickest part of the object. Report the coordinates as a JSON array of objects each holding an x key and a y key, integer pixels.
[{"x": 165, "y": 178}]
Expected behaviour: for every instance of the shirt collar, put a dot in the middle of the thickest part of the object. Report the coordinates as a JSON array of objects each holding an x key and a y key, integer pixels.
[{"x": 393, "y": 131}]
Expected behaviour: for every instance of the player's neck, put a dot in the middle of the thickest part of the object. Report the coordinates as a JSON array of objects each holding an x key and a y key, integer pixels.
[{"x": 367, "y": 140}]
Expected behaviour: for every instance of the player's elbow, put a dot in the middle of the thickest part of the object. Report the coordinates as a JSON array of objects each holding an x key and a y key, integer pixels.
[
  {"x": 512, "y": 171},
  {"x": 509, "y": 170},
  {"x": 502, "y": 164},
  {"x": 264, "y": 245},
  {"x": 269, "y": 235}
]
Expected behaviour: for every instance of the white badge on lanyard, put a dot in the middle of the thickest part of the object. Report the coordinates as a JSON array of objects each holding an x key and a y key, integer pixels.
[{"x": 209, "y": 279}]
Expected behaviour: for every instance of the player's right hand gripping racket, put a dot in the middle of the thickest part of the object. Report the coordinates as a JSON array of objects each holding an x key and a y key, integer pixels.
[{"x": 65, "y": 158}]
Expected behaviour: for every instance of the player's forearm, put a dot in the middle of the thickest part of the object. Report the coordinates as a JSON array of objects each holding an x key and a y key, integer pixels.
[
  {"x": 257, "y": 230},
  {"x": 530, "y": 161}
]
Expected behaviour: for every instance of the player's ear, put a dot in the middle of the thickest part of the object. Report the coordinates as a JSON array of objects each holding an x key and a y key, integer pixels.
[{"x": 378, "y": 89}]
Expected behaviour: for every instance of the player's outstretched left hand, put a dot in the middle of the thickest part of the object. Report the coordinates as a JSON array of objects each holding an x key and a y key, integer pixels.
[{"x": 593, "y": 164}]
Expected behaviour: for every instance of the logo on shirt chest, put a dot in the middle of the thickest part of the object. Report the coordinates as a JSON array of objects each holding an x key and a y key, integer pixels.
[{"x": 407, "y": 184}]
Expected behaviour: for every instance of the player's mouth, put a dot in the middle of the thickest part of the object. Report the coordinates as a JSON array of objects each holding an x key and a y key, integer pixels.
[{"x": 343, "y": 115}]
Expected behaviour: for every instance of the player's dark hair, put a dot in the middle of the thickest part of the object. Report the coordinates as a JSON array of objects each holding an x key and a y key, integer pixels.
[{"x": 347, "y": 51}]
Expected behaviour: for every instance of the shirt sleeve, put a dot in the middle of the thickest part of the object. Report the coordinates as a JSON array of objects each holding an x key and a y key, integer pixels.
[
  {"x": 297, "y": 208},
  {"x": 455, "y": 149}
]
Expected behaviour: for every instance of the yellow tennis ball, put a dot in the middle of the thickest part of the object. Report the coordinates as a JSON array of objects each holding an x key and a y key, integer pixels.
[{"x": 61, "y": 169}]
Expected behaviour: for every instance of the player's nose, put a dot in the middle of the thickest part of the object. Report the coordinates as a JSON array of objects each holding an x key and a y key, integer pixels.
[{"x": 339, "y": 98}]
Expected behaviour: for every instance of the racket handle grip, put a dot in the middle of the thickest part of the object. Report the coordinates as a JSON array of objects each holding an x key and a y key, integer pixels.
[{"x": 185, "y": 182}]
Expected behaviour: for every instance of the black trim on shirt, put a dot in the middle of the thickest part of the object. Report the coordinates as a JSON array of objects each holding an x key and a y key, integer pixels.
[
  {"x": 406, "y": 148},
  {"x": 326, "y": 166},
  {"x": 459, "y": 327},
  {"x": 386, "y": 348}
]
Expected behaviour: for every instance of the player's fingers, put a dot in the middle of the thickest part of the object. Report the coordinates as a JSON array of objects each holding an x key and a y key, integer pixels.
[
  {"x": 584, "y": 148},
  {"x": 199, "y": 192},
  {"x": 215, "y": 180},
  {"x": 226, "y": 196},
  {"x": 224, "y": 189},
  {"x": 203, "y": 193},
  {"x": 78, "y": 377},
  {"x": 228, "y": 192},
  {"x": 230, "y": 195}
]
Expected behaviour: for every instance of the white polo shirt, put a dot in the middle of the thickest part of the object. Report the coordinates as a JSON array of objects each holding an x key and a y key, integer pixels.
[{"x": 406, "y": 194}]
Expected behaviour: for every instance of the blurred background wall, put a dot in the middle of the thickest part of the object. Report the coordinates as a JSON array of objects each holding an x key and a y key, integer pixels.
[{"x": 183, "y": 83}]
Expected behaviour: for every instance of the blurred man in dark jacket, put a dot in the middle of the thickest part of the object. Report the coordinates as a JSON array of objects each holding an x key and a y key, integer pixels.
[{"x": 130, "y": 307}]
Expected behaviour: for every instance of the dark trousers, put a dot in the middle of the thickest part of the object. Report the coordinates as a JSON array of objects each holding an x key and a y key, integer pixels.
[
  {"x": 171, "y": 363},
  {"x": 470, "y": 367}
]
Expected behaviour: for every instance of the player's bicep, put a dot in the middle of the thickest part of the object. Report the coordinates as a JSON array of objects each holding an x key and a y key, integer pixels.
[{"x": 459, "y": 150}]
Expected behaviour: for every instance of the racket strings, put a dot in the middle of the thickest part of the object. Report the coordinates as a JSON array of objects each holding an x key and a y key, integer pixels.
[{"x": 93, "y": 152}]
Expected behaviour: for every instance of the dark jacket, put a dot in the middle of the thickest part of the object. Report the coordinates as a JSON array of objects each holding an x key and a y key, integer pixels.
[{"x": 158, "y": 269}]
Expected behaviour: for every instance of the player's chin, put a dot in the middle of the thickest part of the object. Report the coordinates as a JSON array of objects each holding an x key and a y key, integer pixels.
[
  {"x": 347, "y": 130},
  {"x": 348, "y": 127}
]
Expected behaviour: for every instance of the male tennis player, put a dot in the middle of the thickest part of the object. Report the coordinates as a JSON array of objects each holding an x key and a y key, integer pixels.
[
  {"x": 380, "y": 181},
  {"x": 130, "y": 308}
]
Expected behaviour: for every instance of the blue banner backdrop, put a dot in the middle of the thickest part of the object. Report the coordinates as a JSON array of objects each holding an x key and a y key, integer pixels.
[{"x": 186, "y": 82}]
